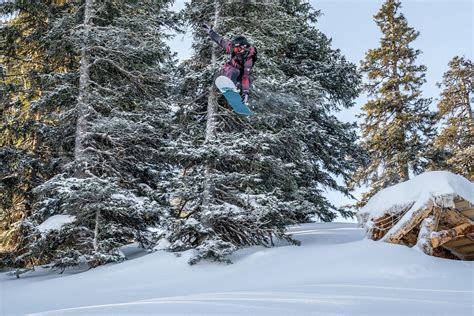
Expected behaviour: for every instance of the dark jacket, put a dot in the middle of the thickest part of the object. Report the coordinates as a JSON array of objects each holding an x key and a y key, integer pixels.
[{"x": 243, "y": 62}]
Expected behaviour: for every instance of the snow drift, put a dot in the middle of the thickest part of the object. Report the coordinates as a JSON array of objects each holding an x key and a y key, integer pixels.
[
  {"x": 334, "y": 272},
  {"x": 434, "y": 211},
  {"x": 419, "y": 191}
]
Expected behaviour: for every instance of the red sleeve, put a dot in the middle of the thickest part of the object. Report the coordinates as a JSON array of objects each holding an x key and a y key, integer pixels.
[
  {"x": 225, "y": 44},
  {"x": 246, "y": 75}
]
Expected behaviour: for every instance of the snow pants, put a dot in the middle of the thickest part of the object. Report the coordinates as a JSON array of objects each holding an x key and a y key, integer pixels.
[{"x": 241, "y": 80}]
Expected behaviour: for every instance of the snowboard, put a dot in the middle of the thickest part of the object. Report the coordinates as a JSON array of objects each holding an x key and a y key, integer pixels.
[{"x": 232, "y": 95}]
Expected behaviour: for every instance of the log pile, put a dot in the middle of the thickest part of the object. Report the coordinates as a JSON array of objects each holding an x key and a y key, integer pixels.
[
  {"x": 383, "y": 224},
  {"x": 437, "y": 230}
]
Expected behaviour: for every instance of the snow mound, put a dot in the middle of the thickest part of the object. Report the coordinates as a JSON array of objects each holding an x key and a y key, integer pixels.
[
  {"x": 55, "y": 222},
  {"x": 443, "y": 185},
  {"x": 335, "y": 271}
]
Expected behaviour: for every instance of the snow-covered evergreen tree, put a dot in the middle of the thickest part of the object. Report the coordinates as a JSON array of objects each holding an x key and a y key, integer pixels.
[
  {"x": 104, "y": 103},
  {"x": 26, "y": 156},
  {"x": 456, "y": 139},
  {"x": 243, "y": 180},
  {"x": 397, "y": 120}
]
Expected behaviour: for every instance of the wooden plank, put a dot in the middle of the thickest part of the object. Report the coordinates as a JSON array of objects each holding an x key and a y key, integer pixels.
[
  {"x": 382, "y": 224},
  {"x": 441, "y": 237},
  {"x": 463, "y": 204},
  {"x": 437, "y": 217},
  {"x": 393, "y": 214},
  {"x": 456, "y": 243},
  {"x": 469, "y": 213},
  {"x": 466, "y": 249},
  {"x": 409, "y": 224},
  {"x": 469, "y": 257},
  {"x": 390, "y": 219},
  {"x": 384, "y": 221},
  {"x": 454, "y": 218}
]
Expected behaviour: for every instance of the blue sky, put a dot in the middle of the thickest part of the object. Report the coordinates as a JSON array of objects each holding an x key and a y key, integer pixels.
[
  {"x": 445, "y": 26},
  {"x": 446, "y": 30}
]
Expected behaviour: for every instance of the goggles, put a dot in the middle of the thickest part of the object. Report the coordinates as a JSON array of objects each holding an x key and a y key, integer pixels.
[{"x": 239, "y": 49}]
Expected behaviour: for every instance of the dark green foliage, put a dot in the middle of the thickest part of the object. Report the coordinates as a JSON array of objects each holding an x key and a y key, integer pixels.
[
  {"x": 27, "y": 155},
  {"x": 455, "y": 143},
  {"x": 102, "y": 137},
  {"x": 397, "y": 121},
  {"x": 245, "y": 179}
]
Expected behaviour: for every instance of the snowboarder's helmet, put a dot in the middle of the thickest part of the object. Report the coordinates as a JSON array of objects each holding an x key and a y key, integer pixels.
[{"x": 240, "y": 41}]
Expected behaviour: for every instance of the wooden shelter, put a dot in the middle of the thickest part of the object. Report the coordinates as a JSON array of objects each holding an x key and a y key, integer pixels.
[{"x": 439, "y": 219}]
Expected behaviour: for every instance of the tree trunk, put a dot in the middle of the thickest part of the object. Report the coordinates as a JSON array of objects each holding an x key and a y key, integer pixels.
[
  {"x": 84, "y": 82},
  {"x": 467, "y": 102},
  {"x": 470, "y": 123},
  {"x": 95, "y": 243},
  {"x": 32, "y": 179},
  {"x": 83, "y": 107},
  {"x": 211, "y": 118},
  {"x": 402, "y": 163}
]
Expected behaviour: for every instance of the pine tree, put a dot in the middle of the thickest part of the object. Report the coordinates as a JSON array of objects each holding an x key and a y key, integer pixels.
[
  {"x": 243, "y": 180},
  {"x": 456, "y": 139},
  {"x": 107, "y": 114},
  {"x": 397, "y": 120},
  {"x": 27, "y": 158}
]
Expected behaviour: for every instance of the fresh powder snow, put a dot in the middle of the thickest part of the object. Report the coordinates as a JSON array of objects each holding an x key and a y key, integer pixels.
[
  {"x": 419, "y": 190},
  {"x": 55, "y": 222},
  {"x": 334, "y": 272}
]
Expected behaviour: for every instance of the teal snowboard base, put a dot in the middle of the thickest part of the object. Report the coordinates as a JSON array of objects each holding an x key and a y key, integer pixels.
[{"x": 231, "y": 94}]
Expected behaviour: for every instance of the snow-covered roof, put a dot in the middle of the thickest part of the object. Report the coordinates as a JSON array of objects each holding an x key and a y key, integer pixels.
[
  {"x": 419, "y": 190},
  {"x": 55, "y": 222}
]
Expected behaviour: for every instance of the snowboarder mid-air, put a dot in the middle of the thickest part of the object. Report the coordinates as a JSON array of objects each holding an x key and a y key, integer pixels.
[{"x": 239, "y": 67}]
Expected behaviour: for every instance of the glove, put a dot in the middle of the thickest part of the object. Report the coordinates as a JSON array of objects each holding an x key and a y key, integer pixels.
[
  {"x": 245, "y": 98},
  {"x": 206, "y": 28}
]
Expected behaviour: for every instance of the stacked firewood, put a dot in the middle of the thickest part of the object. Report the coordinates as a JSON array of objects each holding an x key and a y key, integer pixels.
[{"x": 437, "y": 230}]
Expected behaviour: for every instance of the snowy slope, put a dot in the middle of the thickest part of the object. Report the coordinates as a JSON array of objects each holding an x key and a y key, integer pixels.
[{"x": 334, "y": 272}]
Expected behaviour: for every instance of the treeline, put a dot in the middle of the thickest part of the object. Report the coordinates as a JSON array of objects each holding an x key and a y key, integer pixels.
[
  {"x": 400, "y": 134},
  {"x": 106, "y": 139}
]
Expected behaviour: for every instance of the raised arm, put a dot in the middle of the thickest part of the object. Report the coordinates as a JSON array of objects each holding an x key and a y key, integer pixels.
[{"x": 222, "y": 42}]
